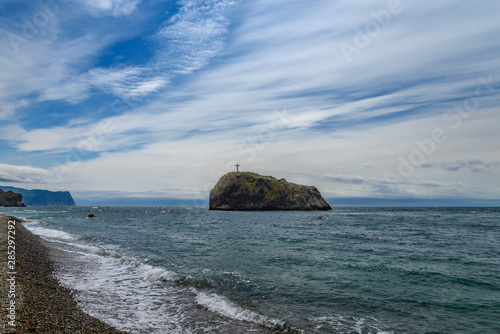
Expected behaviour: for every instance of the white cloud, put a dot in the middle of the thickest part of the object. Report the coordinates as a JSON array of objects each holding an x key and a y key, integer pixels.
[
  {"x": 22, "y": 174},
  {"x": 7, "y": 111},
  {"x": 282, "y": 55},
  {"x": 146, "y": 87},
  {"x": 186, "y": 43},
  {"x": 188, "y": 167},
  {"x": 127, "y": 82},
  {"x": 471, "y": 165},
  {"x": 112, "y": 7},
  {"x": 193, "y": 36},
  {"x": 49, "y": 68},
  {"x": 47, "y": 139}
]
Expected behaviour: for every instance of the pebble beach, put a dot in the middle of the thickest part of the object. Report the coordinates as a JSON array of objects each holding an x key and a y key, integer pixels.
[{"x": 31, "y": 294}]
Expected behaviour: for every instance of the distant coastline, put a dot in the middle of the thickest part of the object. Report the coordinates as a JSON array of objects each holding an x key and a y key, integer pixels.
[
  {"x": 39, "y": 197},
  {"x": 412, "y": 202},
  {"x": 333, "y": 201}
]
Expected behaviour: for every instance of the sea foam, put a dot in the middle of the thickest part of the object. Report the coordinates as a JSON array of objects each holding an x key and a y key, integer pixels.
[
  {"x": 223, "y": 306},
  {"x": 47, "y": 233}
]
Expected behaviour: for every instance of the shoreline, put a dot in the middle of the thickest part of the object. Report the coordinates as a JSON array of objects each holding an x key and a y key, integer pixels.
[{"x": 32, "y": 292}]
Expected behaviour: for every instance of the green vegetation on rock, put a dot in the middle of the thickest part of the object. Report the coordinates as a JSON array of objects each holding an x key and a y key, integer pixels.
[{"x": 251, "y": 191}]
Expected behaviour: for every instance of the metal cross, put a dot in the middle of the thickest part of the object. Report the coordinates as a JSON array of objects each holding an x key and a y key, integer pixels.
[{"x": 237, "y": 167}]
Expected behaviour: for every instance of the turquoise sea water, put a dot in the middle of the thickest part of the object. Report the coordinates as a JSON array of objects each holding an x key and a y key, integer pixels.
[{"x": 351, "y": 270}]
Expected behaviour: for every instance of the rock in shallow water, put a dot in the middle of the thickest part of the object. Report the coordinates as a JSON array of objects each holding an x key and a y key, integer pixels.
[{"x": 246, "y": 191}]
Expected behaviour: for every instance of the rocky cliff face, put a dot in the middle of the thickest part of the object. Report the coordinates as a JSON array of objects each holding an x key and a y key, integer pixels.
[
  {"x": 247, "y": 191},
  {"x": 43, "y": 197},
  {"x": 10, "y": 198}
]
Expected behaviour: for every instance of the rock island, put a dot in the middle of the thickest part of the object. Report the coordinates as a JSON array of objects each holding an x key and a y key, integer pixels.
[{"x": 247, "y": 191}]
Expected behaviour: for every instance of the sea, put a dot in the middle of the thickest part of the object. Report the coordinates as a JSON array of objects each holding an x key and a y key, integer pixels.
[{"x": 364, "y": 270}]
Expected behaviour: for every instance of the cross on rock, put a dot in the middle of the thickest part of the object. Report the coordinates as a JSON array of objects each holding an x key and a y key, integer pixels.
[{"x": 237, "y": 167}]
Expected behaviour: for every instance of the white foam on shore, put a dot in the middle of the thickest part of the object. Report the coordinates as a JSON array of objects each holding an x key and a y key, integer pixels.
[
  {"x": 113, "y": 292},
  {"x": 137, "y": 297},
  {"x": 148, "y": 272},
  {"x": 47, "y": 233},
  {"x": 225, "y": 307},
  {"x": 157, "y": 274},
  {"x": 140, "y": 298},
  {"x": 340, "y": 324}
]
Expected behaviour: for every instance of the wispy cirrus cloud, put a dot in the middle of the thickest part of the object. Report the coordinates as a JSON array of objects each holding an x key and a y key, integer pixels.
[
  {"x": 199, "y": 87},
  {"x": 127, "y": 82},
  {"x": 7, "y": 111},
  {"x": 112, "y": 7},
  {"x": 190, "y": 38},
  {"x": 186, "y": 42},
  {"x": 471, "y": 165},
  {"x": 349, "y": 185},
  {"x": 22, "y": 174},
  {"x": 276, "y": 59}
]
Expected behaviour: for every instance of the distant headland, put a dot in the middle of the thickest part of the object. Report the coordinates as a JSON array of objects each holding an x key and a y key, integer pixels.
[
  {"x": 40, "y": 197},
  {"x": 247, "y": 191}
]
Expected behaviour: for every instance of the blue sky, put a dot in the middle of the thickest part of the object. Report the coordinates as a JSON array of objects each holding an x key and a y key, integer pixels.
[{"x": 131, "y": 98}]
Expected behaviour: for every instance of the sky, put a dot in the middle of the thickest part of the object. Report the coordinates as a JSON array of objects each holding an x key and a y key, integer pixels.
[{"x": 130, "y": 99}]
